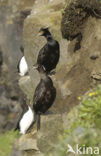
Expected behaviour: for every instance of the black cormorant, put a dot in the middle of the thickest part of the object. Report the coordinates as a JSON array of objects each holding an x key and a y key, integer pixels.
[
  {"x": 49, "y": 55},
  {"x": 44, "y": 95},
  {"x": 22, "y": 64}
]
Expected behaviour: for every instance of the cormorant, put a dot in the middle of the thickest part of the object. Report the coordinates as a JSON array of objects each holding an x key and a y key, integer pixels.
[
  {"x": 44, "y": 96},
  {"x": 26, "y": 118},
  {"x": 49, "y": 55},
  {"x": 22, "y": 64}
]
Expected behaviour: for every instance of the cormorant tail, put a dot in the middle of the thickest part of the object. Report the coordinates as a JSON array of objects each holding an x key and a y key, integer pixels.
[{"x": 38, "y": 121}]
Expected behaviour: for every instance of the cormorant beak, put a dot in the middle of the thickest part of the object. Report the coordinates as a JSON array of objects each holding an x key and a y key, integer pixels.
[
  {"x": 40, "y": 33},
  {"x": 35, "y": 66},
  {"x": 44, "y": 68}
]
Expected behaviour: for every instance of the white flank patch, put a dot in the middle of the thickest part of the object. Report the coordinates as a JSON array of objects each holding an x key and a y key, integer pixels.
[
  {"x": 23, "y": 67},
  {"x": 26, "y": 121}
]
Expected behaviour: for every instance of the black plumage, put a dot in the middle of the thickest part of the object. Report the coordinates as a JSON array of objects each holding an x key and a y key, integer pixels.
[
  {"x": 18, "y": 66},
  {"x": 22, "y": 51},
  {"x": 44, "y": 96},
  {"x": 50, "y": 53}
]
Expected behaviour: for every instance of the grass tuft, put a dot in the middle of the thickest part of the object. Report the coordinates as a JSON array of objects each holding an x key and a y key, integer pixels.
[{"x": 6, "y": 141}]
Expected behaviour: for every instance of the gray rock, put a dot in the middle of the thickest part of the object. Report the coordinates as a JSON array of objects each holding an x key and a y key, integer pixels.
[
  {"x": 95, "y": 55},
  {"x": 27, "y": 144},
  {"x": 96, "y": 73},
  {"x": 26, "y": 85},
  {"x": 15, "y": 151},
  {"x": 51, "y": 128}
]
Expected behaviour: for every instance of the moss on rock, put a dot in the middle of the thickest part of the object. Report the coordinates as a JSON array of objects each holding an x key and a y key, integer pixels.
[{"x": 75, "y": 15}]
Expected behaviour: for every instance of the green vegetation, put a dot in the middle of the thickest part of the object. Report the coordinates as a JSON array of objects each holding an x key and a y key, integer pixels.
[
  {"x": 62, "y": 11},
  {"x": 88, "y": 113},
  {"x": 6, "y": 140},
  {"x": 84, "y": 125}
]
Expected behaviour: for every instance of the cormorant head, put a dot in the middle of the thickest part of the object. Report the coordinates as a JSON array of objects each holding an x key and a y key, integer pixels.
[
  {"x": 40, "y": 68},
  {"x": 44, "y": 32}
]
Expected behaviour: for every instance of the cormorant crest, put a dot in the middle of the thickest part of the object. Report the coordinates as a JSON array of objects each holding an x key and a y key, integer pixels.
[{"x": 43, "y": 31}]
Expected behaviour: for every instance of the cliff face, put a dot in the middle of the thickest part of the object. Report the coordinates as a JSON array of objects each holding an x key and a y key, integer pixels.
[
  {"x": 78, "y": 69},
  {"x": 75, "y": 68}
]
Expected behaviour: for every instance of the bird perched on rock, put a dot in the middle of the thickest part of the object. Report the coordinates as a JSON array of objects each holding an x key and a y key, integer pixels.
[
  {"x": 26, "y": 118},
  {"x": 44, "y": 95},
  {"x": 49, "y": 55},
  {"x": 22, "y": 64}
]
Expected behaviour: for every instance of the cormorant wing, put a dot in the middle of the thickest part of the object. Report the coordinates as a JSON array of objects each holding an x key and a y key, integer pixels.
[
  {"x": 42, "y": 97},
  {"x": 43, "y": 53}
]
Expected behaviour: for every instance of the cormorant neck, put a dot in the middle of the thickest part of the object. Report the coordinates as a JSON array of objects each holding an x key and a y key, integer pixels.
[
  {"x": 43, "y": 76},
  {"x": 49, "y": 37}
]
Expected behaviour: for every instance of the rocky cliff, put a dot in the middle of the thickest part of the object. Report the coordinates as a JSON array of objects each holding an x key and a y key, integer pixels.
[
  {"x": 75, "y": 70},
  {"x": 78, "y": 69},
  {"x": 77, "y": 27}
]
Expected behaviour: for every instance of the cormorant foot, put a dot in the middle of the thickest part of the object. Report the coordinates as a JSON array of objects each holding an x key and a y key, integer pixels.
[
  {"x": 52, "y": 73},
  {"x": 48, "y": 113}
]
